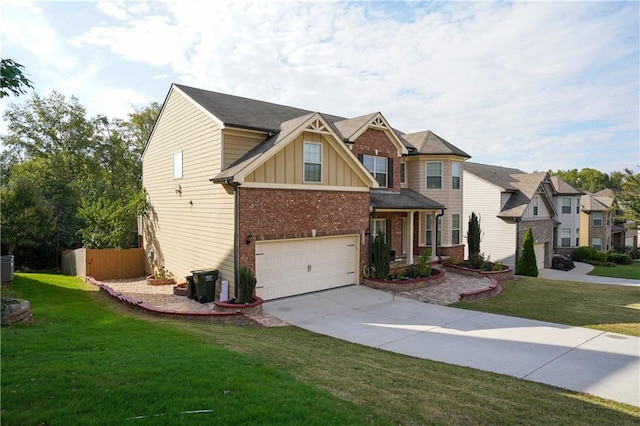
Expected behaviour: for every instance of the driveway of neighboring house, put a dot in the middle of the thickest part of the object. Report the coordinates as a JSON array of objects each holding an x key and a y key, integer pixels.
[
  {"x": 574, "y": 358},
  {"x": 579, "y": 273}
]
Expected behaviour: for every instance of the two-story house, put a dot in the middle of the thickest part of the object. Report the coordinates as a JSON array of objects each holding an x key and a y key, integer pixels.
[
  {"x": 567, "y": 204},
  {"x": 295, "y": 195},
  {"x": 508, "y": 202},
  {"x": 600, "y": 226}
]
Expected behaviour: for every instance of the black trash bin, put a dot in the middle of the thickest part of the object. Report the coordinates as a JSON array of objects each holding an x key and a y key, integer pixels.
[
  {"x": 191, "y": 287},
  {"x": 205, "y": 284}
]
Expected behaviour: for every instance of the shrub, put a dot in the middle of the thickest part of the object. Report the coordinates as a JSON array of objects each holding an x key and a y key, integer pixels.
[
  {"x": 584, "y": 254},
  {"x": 474, "y": 236},
  {"x": 246, "y": 285},
  {"x": 619, "y": 258},
  {"x": 635, "y": 253},
  {"x": 527, "y": 263},
  {"x": 598, "y": 256},
  {"x": 381, "y": 250},
  {"x": 424, "y": 268}
]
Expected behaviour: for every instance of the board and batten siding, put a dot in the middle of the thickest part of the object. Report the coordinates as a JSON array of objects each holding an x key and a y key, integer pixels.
[
  {"x": 498, "y": 236},
  {"x": 287, "y": 166},
  {"x": 190, "y": 222}
]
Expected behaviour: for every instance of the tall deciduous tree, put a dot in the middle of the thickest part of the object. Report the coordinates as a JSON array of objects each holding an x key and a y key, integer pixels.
[
  {"x": 629, "y": 198},
  {"x": 12, "y": 78},
  {"x": 588, "y": 179}
]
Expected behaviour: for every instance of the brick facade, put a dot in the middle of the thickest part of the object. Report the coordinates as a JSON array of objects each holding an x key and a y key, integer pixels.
[
  {"x": 274, "y": 214},
  {"x": 372, "y": 140},
  {"x": 542, "y": 233}
]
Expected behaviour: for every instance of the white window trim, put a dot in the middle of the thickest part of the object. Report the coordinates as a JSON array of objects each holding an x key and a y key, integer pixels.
[
  {"x": 459, "y": 176},
  {"x": 177, "y": 165},
  {"x": 375, "y": 227},
  {"x": 373, "y": 172},
  {"x": 304, "y": 180},
  {"x": 562, "y": 206},
  {"x": 456, "y": 229},
  {"x": 403, "y": 176},
  {"x": 568, "y": 238},
  {"x": 426, "y": 172},
  {"x": 593, "y": 220}
]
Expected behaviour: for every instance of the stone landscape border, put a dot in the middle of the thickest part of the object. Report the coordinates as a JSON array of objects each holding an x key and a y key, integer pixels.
[
  {"x": 484, "y": 293},
  {"x": 405, "y": 285},
  {"x": 232, "y": 318}
]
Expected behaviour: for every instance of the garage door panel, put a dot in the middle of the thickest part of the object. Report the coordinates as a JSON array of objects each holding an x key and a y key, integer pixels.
[{"x": 289, "y": 267}]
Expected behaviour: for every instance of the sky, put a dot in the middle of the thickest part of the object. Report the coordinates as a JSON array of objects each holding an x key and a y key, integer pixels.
[{"x": 531, "y": 85}]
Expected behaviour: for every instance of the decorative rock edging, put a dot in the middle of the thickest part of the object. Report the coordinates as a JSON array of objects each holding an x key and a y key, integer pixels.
[
  {"x": 18, "y": 312},
  {"x": 252, "y": 308},
  {"x": 493, "y": 290},
  {"x": 180, "y": 289},
  {"x": 500, "y": 276},
  {"x": 232, "y": 318},
  {"x": 405, "y": 285}
]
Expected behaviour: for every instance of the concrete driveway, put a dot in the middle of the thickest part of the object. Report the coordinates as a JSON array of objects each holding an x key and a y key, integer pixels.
[{"x": 574, "y": 358}]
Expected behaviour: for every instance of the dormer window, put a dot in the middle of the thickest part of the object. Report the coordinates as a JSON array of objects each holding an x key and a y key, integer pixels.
[{"x": 377, "y": 166}]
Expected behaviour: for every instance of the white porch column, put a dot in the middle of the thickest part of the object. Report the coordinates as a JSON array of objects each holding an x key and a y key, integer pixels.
[
  {"x": 434, "y": 235},
  {"x": 410, "y": 239}
]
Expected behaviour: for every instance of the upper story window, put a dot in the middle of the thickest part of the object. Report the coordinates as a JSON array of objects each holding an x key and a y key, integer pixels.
[
  {"x": 577, "y": 205},
  {"x": 177, "y": 165},
  {"x": 312, "y": 162},
  {"x": 536, "y": 205},
  {"x": 403, "y": 172},
  {"x": 455, "y": 175},
  {"x": 378, "y": 168},
  {"x": 434, "y": 175},
  {"x": 566, "y": 205},
  {"x": 597, "y": 218}
]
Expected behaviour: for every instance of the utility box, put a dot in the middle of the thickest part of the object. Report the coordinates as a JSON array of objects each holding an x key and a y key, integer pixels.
[
  {"x": 7, "y": 268},
  {"x": 205, "y": 284}
]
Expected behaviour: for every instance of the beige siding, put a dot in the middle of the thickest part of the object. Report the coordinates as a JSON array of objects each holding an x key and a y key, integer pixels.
[
  {"x": 286, "y": 166},
  {"x": 193, "y": 229},
  {"x": 237, "y": 142},
  {"x": 452, "y": 199},
  {"x": 499, "y": 236}
]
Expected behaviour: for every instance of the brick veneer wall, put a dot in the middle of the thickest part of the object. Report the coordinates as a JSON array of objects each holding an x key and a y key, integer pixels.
[
  {"x": 542, "y": 233},
  {"x": 372, "y": 140},
  {"x": 456, "y": 253},
  {"x": 273, "y": 214}
]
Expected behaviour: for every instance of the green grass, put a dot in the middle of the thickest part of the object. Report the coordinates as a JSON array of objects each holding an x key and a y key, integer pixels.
[
  {"x": 619, "y": 271},
  {"x": 86, "y": 359},
  {"x": 601, "y": 307}
]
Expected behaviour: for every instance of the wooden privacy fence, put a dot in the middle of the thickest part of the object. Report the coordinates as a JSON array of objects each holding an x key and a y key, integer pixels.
[{"x": 104, "y": 264}]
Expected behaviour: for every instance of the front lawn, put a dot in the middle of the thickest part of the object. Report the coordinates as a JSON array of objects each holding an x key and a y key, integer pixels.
[
  {"x": 619, "y": 271},
  {"x": 602, "y": 307},
  {"x": 88, "y": 360}
]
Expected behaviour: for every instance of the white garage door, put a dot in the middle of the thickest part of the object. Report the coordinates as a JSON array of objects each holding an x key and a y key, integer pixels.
[
  {"x": 289, "y": 267},
  {"x": 539, "y": 251}
]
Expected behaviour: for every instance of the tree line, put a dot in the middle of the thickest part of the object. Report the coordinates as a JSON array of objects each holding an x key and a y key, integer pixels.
[{"x": 69, "y": 180}]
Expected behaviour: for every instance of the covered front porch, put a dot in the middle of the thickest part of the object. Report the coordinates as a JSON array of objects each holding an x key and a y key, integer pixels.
[{"x": 396, "y": 216}]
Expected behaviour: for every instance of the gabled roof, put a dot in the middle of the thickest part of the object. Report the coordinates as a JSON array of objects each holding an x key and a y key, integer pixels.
[
  {"x": 428, "y": 142},
  {"x": 590, "y": 202},
  {"x": 352, "y": 128},
  {"x": 564, "y": 188},
  {"x": 523, "y": 186},
  {"x": 406, "y": 199}
]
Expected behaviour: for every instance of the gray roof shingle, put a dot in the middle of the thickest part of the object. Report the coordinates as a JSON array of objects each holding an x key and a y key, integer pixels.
[{"x": 406, "y": 199}]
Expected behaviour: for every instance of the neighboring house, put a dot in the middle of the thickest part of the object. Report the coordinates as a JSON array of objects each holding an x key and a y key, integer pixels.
[
  {"x": 294, "y": 195},
  {"x": 600, "y": 226},
  {"x": 567, "y": 204},
  {"x": 509, "y": 201}
]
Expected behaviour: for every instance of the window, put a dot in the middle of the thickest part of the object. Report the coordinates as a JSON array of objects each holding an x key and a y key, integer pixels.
[
  {"x": 428, "y": 226},
  {"x": 577, "y": 237},
  {"x": 565, "y": 237},
  {"x": 455, "y": 229},
  {"x": 455, "y": 175},
  {"x": 566, "y": 205},
  {"x": 596, "y": 243},
  {"x": 379, "y": 227},
  {"x": 403, "y": 172},
  {"x": 578, "y": 207},
  {"x": 312, "y": 162},
  {"x": 378, "y": 168},
  {"x": 434, "y": 175},
  {"x": 177, "y": 165},
  {"x": 536, "y": 205},
  {"x": 597, "y": 219}
]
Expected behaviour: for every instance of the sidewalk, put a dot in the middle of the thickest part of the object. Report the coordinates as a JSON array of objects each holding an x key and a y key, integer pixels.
[{"x": 579, "y": 273}]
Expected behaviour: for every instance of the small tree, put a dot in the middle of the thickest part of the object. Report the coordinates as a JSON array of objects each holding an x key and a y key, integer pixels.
[
  {"x": 527, "y": 263},
  {"x": 474, "y": 236},
  {"x": 381, "y": 249}
]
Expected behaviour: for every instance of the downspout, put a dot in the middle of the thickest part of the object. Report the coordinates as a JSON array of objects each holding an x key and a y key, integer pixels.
[
  {"x": 436, "y": 251},
  {"x": 371, "y": 211},
  {"x": 517, "y": 242}
]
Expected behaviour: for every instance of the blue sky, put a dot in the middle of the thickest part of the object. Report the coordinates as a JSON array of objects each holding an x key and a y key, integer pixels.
[{"x": 532, "y": 85}]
